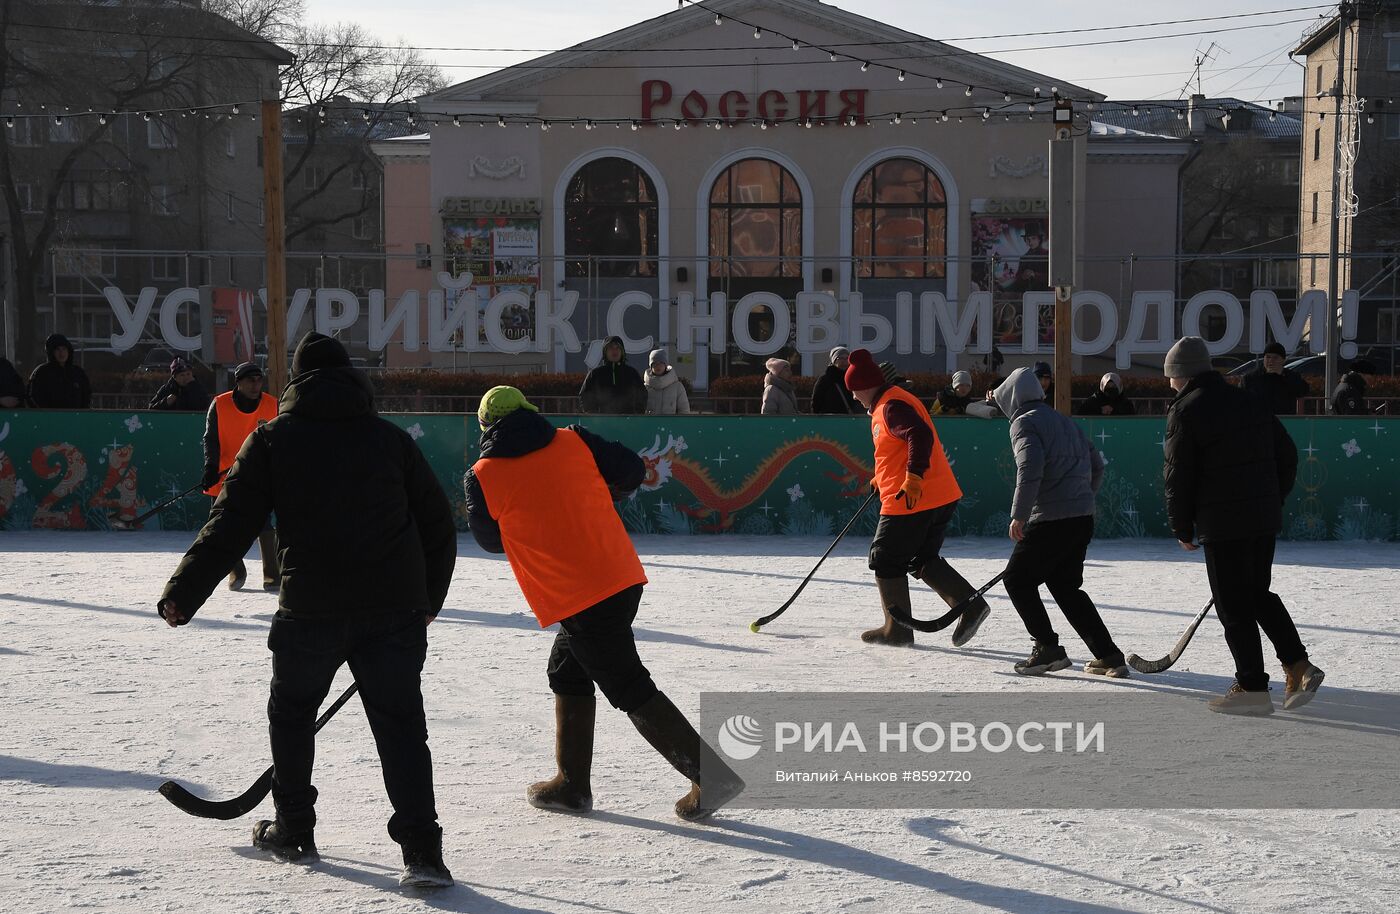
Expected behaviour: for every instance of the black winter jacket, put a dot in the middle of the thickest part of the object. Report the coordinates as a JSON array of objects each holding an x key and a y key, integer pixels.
[
  {"x": 947, "y": 403},
  {"x": 11, "y": 384},
  {"x": 613, "y": 387},
  {"x": 55, "y": 386},
  {"x": 830, "y": 396},
  {"x": 523, "y": 432},
  {"x": 363, "y": 525},
  {"x": 1229, "y": 464},
  {"x": 1349, "y": 399},
  {"x": 190, "y": 398},
  {"x": 1278, "y": 392},
  {"x": 1094, "y": 403}
]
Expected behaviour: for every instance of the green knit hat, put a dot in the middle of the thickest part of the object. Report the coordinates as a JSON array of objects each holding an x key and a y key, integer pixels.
[{"x": 500, "y": 402}]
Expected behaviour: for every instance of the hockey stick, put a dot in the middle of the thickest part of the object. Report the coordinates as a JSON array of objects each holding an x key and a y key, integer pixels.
[
  {"x": 246, "y": 802},
  {"x": 764, "y": 620},
  {"x": 117, "y": 523},
  {"x": 905, "y": 618},
  {"x": 1157, "y": 666}
]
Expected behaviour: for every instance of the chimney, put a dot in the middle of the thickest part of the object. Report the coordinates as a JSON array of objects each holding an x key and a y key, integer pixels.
[{"x": 1195, "y": 116}]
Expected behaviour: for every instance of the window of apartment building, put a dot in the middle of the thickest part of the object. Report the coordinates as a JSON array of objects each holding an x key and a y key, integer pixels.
[
  {"x": 1392, "y": 54},
  {"x": 25, "y": 192},
  {"x": 423, "y": 251},
  {"x": 1312, "y": 272},
  {"x": 312, "y": 176},
  {"x": 1390, "y": 126},
  {"x": 1319, "y": 79},
  {"x": 86, "y": 262},
  {"x": 1284, "y": 171},
  {"x": 361, "y": 228},
  {"x": 231, "y": 145},
  {"x": 1314, "y": 211},
  {"x": 228, "y": 206},
  {"x": 1317, "y": 143},
  {"x": 64, "y": 131},
  {"x": 1276, "y": 274},
  {"x": 160, "y": 135},
  {"x": 167, "y": 268},
  {"x": 163, "y": 200},
  {"x": 23, "y": 133}
]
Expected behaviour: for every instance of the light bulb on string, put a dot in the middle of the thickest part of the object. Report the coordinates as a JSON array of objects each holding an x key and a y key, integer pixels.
[
  {"x": 938, "y": 83},
  {"x": 102, "y": 119},
  {"x": 719, "y": 20},
  {"x": 456, "y": 121},
  {"x": 897, "y": 119},
  {"x": 833, "y": 56},
  {"x": 1135, "y": 111},
  {"x": 635, "y": 125},
  {"x": 943, "y": 117},
  {"x": 864, "y": 65},
  {"x": 968, "y": 92},
  {"x": 235, "y": 109},
  {"x": 500, "y": 120},
  {"x": 901, "y": 76},
  {"x": 757, "y": 33},
  {"x": 145, "y": 115},
  {"x": 544, "y": 125},
  {"x": 796, "y": 45}
]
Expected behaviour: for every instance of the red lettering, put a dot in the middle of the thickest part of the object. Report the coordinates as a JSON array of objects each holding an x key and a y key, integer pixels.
[
  {"x": 812, "y": 103},
  {"x": 779, "y": 109},
  {"x": 853, "y": 104},
  {"x": 654, "y": 92},
  {"x": 741, "y": 105},
  {"x": 694, "y": 107}
]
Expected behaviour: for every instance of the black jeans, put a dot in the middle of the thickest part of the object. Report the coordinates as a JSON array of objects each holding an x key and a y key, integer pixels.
[
  {"x": 385, "y": 652},
  {"x": 1052, "y": 553},
  {"x": 597, "y": 645},
  {"x": 1240, "y": 573}
]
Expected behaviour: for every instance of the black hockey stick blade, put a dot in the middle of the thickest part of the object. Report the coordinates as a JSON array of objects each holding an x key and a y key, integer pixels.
[
  {"x": 1157, "y": 666},
  {"x": 906, "y": 618},
  {"x": 764, "y": 620},
  {"x": 247, "y": 801}
]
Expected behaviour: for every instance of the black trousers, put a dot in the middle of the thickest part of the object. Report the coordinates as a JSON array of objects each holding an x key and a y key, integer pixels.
[
  {"x": 910, "y": 543},
  {"x": 1052, "y": 553},
  {"x": 385, "y": 652},
  {"x": 1240, "y": 572},
  {"x": 597, "y": 645}
]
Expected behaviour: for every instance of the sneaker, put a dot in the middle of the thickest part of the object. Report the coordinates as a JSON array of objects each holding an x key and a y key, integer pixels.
[
  {"x": 1301, "y": 681},
  {"x": 274, "y": 838},
  {"x": 423, "y": 867},
  {"x": 970, "y": 621},
  {"x": 1043, "y": 659},
  {"x": 1238, "y": 701},
  {"x": 1112, "y": 667}
]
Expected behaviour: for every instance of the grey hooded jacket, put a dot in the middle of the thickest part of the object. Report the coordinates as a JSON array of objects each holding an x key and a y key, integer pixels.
[{"x": 1058, "y": 471}]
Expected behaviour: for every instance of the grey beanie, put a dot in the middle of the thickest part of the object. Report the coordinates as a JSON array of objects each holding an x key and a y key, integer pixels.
[
  {"x": 1188, "y": 358},
  {"x": 962, "y": 377},
  {"x": 660, "y": 355},
  {"x": 838, "y": 352}
]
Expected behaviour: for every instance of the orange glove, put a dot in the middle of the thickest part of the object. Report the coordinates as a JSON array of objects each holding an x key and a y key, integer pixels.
[
  {"x": 911, "y": 491},
  {"x": 875, "y": 486}
]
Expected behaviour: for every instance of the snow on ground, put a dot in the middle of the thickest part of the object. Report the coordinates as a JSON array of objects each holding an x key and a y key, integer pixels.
[{"x": 101, "y": 702}]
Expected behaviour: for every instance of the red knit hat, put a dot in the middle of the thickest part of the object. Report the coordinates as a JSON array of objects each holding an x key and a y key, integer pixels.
[{"x": 863, "y": 373}]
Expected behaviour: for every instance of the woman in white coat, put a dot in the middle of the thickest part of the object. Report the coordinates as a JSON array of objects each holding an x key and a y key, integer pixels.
[
  {"x": 779, "y": 397},
  {"x": 665, "y": 393}
]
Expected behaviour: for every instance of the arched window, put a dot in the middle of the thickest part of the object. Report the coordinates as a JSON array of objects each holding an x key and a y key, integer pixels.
[
  {"x": 755, "y": 221},
  {"x": 610, "y": 218},
  {"x": 900, "y": 222}
]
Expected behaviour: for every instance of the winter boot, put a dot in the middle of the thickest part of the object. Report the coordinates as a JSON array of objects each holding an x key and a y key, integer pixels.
[
  {"x": 893, "y": 592},
  {"x": 970, "y": 621},
  {"x": 422, "y": 864},
  {"x": 272, "y": 574},
  {"x": 1112, "y": 667},
  {"x": 1238, "y": 701},
  {"x": 665, "y": 727},
  {"x": 1301, "y": 680},
  {"x": 237, "y": 576},
  {"x": 1043, "y": 659},
  {"x": 569, "y": 790},
  {"x": 274, "y": 838},
  {"x": 954, "y": 589}
]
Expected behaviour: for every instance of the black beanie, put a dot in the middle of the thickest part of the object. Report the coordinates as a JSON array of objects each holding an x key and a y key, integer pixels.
[{"x": 317, "y": 351}]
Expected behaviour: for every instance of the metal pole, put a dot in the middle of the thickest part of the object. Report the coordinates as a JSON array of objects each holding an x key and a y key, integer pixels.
[
  {"x": 1333, "y": 292},
  {"x": 276, "y": 242}
]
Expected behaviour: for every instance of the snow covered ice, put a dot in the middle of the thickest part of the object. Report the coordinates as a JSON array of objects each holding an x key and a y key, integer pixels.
[{"x": 102, "y": 702}]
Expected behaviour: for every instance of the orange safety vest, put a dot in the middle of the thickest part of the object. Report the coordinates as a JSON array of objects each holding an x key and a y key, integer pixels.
[
  {"x": 234, "y": 428},
  {"x": 562, "y": 535},
  {"x": 892, "y": 460}
]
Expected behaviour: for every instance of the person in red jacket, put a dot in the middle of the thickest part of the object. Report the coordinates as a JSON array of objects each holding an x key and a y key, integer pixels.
[
  {"x": 918, "y": 496},
  {"x": 544, "y": 497}
]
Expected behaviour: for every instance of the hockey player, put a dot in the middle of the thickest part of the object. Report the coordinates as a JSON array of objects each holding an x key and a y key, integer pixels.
[
  {"x": 1229, "y": 466},
  {"x": 370, "y": 546},
  {"x": 544, "y": 497},
  {"x": 1052, "y": 521},
  {"x": 232, "y": 417},
  {"x": 918, "y": 496}
]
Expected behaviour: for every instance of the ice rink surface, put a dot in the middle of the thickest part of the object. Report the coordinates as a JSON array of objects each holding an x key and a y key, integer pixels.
[{"x": 101, "y": 702}]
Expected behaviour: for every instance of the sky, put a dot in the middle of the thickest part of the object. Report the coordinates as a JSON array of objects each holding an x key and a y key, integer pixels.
[{"x": 1250, "y": 63}]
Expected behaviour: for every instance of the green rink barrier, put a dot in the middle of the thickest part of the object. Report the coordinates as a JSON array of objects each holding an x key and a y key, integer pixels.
[{"x": 747, "y": 475}]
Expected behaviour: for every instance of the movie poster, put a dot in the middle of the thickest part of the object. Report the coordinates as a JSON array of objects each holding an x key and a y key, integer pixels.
[
  {"x": 504, "y": 255},
  {"x": 1010, "y": 256}
]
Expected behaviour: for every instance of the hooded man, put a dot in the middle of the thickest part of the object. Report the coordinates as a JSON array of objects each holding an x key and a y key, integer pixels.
[
  {"x": 369, "y": 544},
  {"x": 1349, "y": 399},
  {"x": 954, "y": 399},
  {"x": 59, "y": 383},
  {"x": 232, "y": 417},
  {"x": 918, "y": 496},
  {"x": 1275, "y": 385},
  {"x": 614, "y": 387},
  {"x": 544, "y": 497},
  {"x": 11, "y": 386},
  {"x": 182, "y": 392},
  {"x": 1229, "y": 466},
  {"x": 1108, "y": 400},
  {"x": 666, "y": 394},
  {"x": 829, "y": 393},
  {"x": 1058, "y": 473}
]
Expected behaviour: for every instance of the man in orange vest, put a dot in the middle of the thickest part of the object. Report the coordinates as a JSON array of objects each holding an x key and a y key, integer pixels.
[
  {"x": 918, "y": 496},
  {"x": 544, "y": 497},
  {"x": 232, "y": 417}
]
